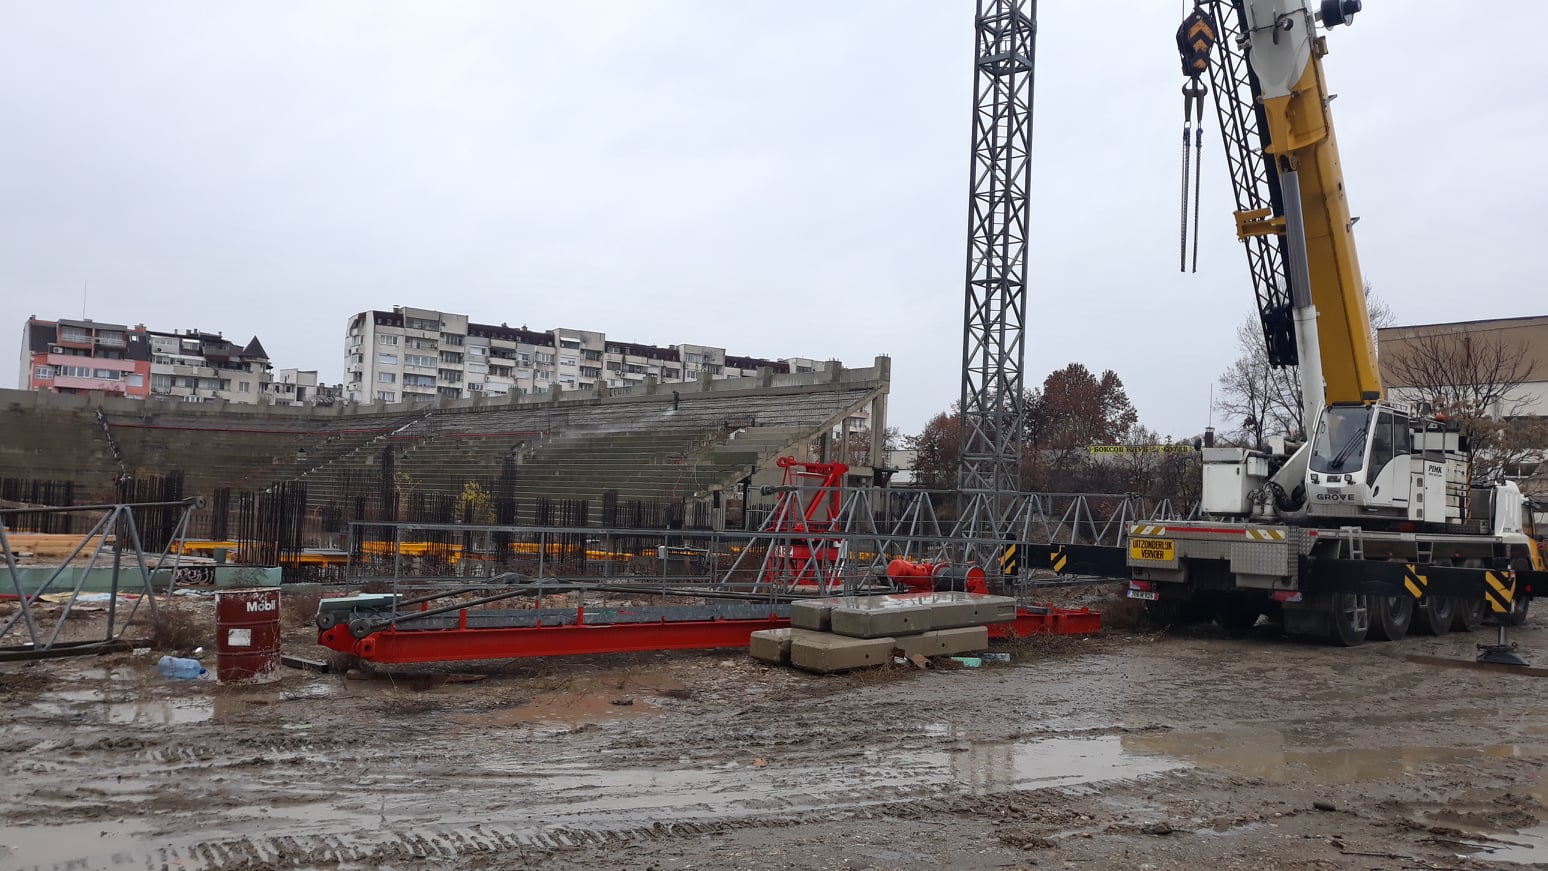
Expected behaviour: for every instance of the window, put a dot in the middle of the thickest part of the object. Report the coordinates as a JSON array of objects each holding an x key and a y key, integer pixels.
[
  {"x": 590, "y": 372},
  {"x": 543, "y": 358},
  {"x": 135, "y": 379},
  {"x": 386, "y": 378},
  {"x": 244, "y": 387},
  {"x": 161, "y": 382},
  {"x": 73, "y": 334},
  {"x": 419, "y": 360},
  {"x": 387, "y": 359},
  {"x": 74, "y": 372},
  {"x": 422, "y": 324},
  {"x": 451, "y": 339},
  {"x": 692, "y": 358},
  {"x": 386, "y": 396},
  {"x": 451, "y": 357},
  {"x": 571, "y": 344},
  {"x": 477, "y": 351},
  {"x": 566, "y": 361},
  {"x": 475, "y": 386},
  {"x": 43, "y": 372},
  {"x": 106, "y": 374},
  {"x": 386, "y": 340},
  {"x": 592, "y": 355}
]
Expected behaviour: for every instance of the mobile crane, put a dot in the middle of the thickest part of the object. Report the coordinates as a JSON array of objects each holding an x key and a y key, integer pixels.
[{"x": 1371, "y": 527}]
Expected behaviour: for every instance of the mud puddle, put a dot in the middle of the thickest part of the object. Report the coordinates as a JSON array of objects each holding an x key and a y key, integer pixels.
[
  {"x": 1268, "y": 755},
  {"x": 1526, "y": 847},
  {"x": 563, "y": 710},
  {"x": 1003, "y": 766},
  {"x": 98, "y": 706},
  {"x": 131, "y": 842}
]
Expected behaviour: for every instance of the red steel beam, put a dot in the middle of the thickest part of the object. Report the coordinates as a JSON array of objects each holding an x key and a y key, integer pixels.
[
  {"x": 455, "y": 645},
  {"x": 461, "y": 645}
]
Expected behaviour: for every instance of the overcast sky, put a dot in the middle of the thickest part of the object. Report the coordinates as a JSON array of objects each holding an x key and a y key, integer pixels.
[{"x": 776, "y": 178}]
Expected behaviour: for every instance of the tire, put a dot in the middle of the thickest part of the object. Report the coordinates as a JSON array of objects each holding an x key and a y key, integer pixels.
[
  {"x": 1391, "y": 617},
  {"x": 1434, "y": 615},
  {"x": 1518, "y": 612},
  {"x": 1518, "y": 607},
  {"x": 1348, "y": 618},
  {"x": 1165, "y": 613},
  {"x": 1470, "y": 615},
  {"x": 1237, "y": 613}
]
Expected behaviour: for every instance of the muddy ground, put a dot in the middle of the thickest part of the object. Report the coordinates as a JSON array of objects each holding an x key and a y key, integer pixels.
[{"x": 1132, "y": 750}]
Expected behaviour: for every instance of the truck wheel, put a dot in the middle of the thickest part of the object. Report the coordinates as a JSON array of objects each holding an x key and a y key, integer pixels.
[
  {"x": 1237, "y": 613},
  {"x": 1391, "y": 617},
  {"x": 1470, "y": 612},
  {"x": 1176, "y": 612},
  {"x": 1518, "y": 607},
  {"x": 1470, "y": 615},
  {"x": 1434, "y": 615},
  {"x": 1349, "y": 618}
]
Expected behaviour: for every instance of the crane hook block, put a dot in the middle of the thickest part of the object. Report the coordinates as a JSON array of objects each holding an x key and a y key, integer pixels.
[{"x": 1195, "y": 40}]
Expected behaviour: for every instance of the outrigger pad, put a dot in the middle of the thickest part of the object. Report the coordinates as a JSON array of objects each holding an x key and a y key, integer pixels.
[{"x": 1501, "y": 654}]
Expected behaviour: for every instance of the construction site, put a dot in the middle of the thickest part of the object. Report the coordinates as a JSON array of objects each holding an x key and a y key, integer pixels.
[{"x": 710, "y": 624}]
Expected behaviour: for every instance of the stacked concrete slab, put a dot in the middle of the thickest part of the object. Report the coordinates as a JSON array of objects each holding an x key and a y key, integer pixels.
[{"x": 848, "y": 632}]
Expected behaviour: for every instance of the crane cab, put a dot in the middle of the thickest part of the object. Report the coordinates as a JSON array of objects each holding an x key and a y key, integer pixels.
[{"x": 1378, "y": 461}]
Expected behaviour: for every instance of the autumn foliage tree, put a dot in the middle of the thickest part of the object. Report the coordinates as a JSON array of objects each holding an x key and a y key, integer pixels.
[{"x": 1074, "y": 408}]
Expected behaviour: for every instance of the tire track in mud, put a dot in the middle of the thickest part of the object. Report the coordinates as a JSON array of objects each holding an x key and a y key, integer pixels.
[{"x": 435, "y": 845}]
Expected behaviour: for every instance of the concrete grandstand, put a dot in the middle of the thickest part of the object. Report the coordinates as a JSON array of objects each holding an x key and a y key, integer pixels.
[{"x": 688, "y": 444}]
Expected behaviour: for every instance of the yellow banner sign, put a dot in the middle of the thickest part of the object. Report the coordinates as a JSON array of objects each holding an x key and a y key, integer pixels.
[{"x": 1140, "y": 449}]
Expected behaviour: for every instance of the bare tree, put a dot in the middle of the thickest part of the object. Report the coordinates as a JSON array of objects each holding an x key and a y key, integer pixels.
[
  {"x": 1475, "y": 379},
  {"x": 1259, "y": 400},
  {"x": 1462, "y": 374}
]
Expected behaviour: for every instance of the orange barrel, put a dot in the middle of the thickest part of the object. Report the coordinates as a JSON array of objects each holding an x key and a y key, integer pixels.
[{"x": 247, "y": 635}]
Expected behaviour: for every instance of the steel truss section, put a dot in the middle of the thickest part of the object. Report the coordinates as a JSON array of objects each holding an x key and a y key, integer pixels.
[
  {"x": 993, "y": 350},
  {"x": 113, "y": 538},
  {"x": 1254, "y": 179}
]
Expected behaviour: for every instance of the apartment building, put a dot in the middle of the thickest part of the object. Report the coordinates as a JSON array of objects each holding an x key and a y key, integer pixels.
[
  {"x": 413, "y": 354},
  {"x": 81, "y": 356},
  {"x": 302, "y": 387}
]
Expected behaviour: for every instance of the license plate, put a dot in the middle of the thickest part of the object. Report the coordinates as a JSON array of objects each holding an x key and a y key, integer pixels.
[
  {"x": 1159, "y": 550},
  {"x": 1144, "y": 594}
]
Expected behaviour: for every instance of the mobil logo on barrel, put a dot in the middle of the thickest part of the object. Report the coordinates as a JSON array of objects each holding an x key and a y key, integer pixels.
[{"x": 247, "y": 635}]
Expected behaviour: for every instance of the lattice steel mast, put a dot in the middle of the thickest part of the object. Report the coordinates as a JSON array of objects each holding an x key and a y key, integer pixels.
[{"x": 992, "y": 349}]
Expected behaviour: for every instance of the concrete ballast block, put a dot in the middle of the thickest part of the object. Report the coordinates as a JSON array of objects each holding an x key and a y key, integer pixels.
[
  {"x": 773, "y": 645},
  {"x": 813, "y": 614},
  {"x": 770, "y": 645},
  {"x": 945, "y": 642},
  {"x": 947, "y": 609},
  {"x": 993, "y": 609},
  {"x": 878, "y": 616},
  {"x": 826, "y": 653}
]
